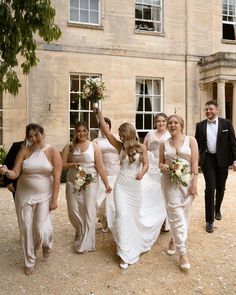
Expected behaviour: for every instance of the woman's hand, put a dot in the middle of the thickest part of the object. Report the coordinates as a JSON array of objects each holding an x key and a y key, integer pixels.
[
  {"x": 163, "y": 167},
  {"x": 75, "y": 164},
  {"x": 139, "y": 176},
  {"x": 193, "y": 190},
  {"x": 52, "y": 205},
  {"x": 3, "y": 169},
  {"x": 108, "y": 189}
]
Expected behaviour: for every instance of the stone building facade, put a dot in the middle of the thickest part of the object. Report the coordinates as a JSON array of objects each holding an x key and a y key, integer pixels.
[{"x": 153, "y": 55}]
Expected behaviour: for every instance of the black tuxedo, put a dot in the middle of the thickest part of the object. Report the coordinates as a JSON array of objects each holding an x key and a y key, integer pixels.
[
  {"x": 10, "y": 160},
  {"x": 215, "y": 166}
]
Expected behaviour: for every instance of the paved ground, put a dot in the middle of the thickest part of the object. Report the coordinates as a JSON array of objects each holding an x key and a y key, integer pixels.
[{"x": 212, "y": 256}]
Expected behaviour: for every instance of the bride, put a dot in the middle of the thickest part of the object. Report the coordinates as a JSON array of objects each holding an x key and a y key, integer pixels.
[{"x": 139, "y": 210}]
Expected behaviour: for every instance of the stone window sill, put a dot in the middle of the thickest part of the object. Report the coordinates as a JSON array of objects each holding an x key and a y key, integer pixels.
[
  {"x": 226, "y": 41},
  {"x": 149, "y": 33},
  {"x": 85, "y": 26}
]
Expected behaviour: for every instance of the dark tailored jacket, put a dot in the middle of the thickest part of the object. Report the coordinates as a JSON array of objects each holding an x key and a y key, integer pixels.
[
  {"x": 225, "y": 145},
  {"x": 10, "y": 160}
]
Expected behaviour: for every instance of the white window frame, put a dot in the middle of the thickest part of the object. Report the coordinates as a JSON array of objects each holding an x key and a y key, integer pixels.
[
  {"x": 81, "y": 112},
  {"x": 150, "y": 96},
  {"x": 152, "y": 5},
  {"x": 89, "y": 10},
  {"x": 228, "y": 13}
]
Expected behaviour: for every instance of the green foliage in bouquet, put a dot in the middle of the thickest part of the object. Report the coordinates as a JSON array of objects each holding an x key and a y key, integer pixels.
[{"x": 3, "y": 154}]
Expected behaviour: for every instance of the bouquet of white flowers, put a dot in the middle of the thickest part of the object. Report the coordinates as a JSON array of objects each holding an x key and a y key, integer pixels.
[
  {"x": 93, "y": 90},
  {"x": 179, "y": 173},
  {"x": 82, "y": 180}
]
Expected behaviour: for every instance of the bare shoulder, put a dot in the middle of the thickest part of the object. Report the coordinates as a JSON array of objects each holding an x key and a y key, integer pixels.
[
  {"x": 53, "y": 150},
  {"x": 192, "y": 140}
]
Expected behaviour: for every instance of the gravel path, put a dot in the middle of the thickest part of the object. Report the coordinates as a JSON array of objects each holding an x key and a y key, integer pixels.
[{"x": 212, "y": 257}]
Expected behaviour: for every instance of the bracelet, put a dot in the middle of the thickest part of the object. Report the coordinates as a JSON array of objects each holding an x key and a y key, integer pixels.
[{"x": 194, "y": 173}]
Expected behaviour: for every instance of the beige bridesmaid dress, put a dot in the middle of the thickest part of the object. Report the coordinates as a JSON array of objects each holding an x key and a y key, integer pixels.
[
  {"x": 81, "y": 205},
  {"x": 177, "y": 200},
  {"x": 33, "y": 194}
]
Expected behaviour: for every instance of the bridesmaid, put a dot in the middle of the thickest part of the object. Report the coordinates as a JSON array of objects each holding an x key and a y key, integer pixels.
[
  {"x": 111, "y": 161},
  {"x": 39, "y": 167},
  {"x": 82, "y": 205},
  {"x": 178, "y": 198},
  {"x": 153, "y": 140}
]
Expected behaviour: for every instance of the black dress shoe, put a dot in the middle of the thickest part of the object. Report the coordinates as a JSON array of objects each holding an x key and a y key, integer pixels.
[
  {"x": 209, "y": 227},
  {"x": 218, "y": 216}
]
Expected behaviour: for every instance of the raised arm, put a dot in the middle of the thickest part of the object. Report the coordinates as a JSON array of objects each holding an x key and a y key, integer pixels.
[
  {"x": 111, "y": 138},
  {"x": 57, "y": 168},
  {"x": 101, "y": 168}
]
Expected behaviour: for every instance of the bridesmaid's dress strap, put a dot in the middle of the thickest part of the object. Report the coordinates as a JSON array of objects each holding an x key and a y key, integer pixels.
[{"x": 45, "y": 148}]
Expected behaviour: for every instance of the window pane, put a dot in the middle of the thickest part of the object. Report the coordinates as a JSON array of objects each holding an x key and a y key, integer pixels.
[
  {"x": 147, "y": 13},
  {"x": 138, "y": 11},
  {"x": 74, "y": 3},
  {"x": 156, "y": 15},
  {"x": 148, "y": 104},
  {"x": 84, "y": 104},
  {"x": 84, "y": 16},
  {"x": 74, "y": 15},
  {"x": 94, "y": 17},
  {"x": 139, "y": 121},
  {"x": 157, "y": 2},
  {"x": 74, "y": 85},
  {"x": 157, "y": 104},
  {"x": 93, "y": 121},
  {"x": 157, "y": 87},
  {"x": 74, "y": 118},
  {"x": 74, "y": 101},
  {"x": 147, "y": 1},
  {"x": 94, "y": 4},
  {"x": 140, "y": 103},
  {"x": 84, "y": 4},
  {"x": 147, "y": 121},
  {"x": 139, "y": 86}
]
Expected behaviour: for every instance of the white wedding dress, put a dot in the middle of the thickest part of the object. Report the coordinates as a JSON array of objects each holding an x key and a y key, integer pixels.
[{"x": 138, "y": 211}]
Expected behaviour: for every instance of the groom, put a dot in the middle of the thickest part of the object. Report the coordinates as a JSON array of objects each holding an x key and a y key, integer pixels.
[{"x": 217, "y": 147}]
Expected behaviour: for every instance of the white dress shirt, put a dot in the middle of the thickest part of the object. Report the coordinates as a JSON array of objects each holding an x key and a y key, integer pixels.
[{"x": 212, "y": 130}]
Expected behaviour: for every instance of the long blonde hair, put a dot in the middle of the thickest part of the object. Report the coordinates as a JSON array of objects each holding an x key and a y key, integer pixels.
[{"x": 131, "y": 145}]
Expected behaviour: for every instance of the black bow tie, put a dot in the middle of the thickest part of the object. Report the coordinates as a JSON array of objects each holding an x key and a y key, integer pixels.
[{"x": 211, "y": 122}]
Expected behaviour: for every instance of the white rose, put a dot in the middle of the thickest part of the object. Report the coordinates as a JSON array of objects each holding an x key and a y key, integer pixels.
[
  {"x": 178, "y": 172},
  {"x": 86, "y": 90},
  {"x": 79, "y": 182}
]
